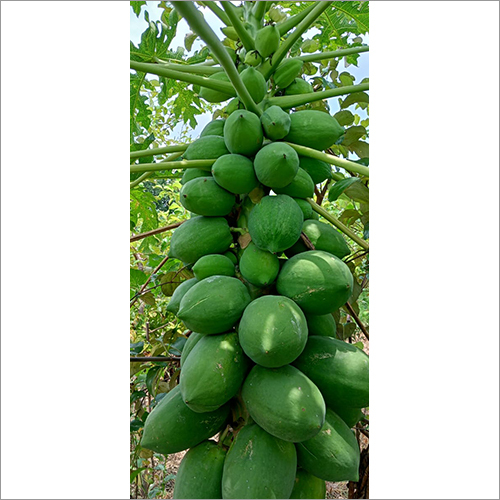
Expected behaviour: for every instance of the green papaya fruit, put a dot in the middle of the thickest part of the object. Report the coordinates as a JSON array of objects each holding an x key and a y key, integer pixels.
[
  {"x": 275, "y": 223},
  {"x": 179, "y": 292},
  {"x": 214, "y": 304},
  {"x": 276, "y": 164},
  {"x": 258, "y": 465},
  {"x": 273, "y": 331},
  {"x": 275, "y": 122},
  {"x": 253, "y": 58},
  {"x": 267, "y": 40},
  {"x": 306, "y": 208},
  {"x": 314, "y": 129},
  {"x": 213, "y": 372},
  {"x": 317, "y": 169},
  {"x": 287, "y": 71},
  {"x": 216, "y": 96},
  {"x": 192, "y": 340},
  {"x": 215, "y": 127},
  {"x": 324, "y": 237},
  {"x": 302, "y": 186},
  {"x": 205, "y": 197},
  {"x": 315, "y": 215},
  {"x": 200, "y": 472},
  {"x": 230, "y": 32},
  {"x": 230, "y": 255},
  {"x": 255, "y": 83},
  {"x": 233, "y": 106},
  {"x": 193, "y": 173},
  {"x": 211, "y": 265},
  {"x": 259, "y": 267},
  {"x": 200, "y": 236},
  {"x": 172, "y": 427},
  {"x": 308, "y": 486},
  {"x": 317, "y": 281},
  {"x": 339, "y": 369},
  {"x": 243, "y": 133},
  {"x": 208, "y": 147},
  {"x": 284, "y": 402},
  {"x": 299, "y": 86},
  {"x": 333, "y": 454},
  {"x": 323, "y": 325},
  {"x": 351, "y": 416},
  {"x": 235, "y": 173}
]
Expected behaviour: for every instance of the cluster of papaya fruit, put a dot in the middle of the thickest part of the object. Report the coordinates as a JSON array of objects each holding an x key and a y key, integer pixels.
[{"x": 262, "y": 365}]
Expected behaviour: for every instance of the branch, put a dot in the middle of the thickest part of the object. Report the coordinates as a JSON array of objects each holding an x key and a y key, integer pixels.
[
  {"x": 241, "y": 31},
  {"x": 152, "y": 359},
  {"x": 321, "y": 196},
  {"x": 307, "y": 241},
  {"x": 357, "y": 320},
  {"x": 154, "y": 167},
  {"x": 160, "y": 265},
  {"x": 158, "y": 151},
  {"x": 321, "y": 56},
  {"x": 156, "y": 231},
  {"x": 145, "y": 175},
  {"x": 190, "y": 68}
]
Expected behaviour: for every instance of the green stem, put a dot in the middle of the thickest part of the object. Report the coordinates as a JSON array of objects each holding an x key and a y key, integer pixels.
[
  {"x": 321, "y": 56},
  {"x": 158, "y": 151},
  {"x": 291, "y": 22},
  {"x": 203, "y": 30},
  {"x": 330, "y": 218},
  {"x": 145, "y": 175},
  {"x": 160, "y": 70},
  {"x": 292, "y": 101},
  {"x": 166, "y": 176},
  {"x": 239, "y": 230},
  {"x": 190, "y": 68},
  {"x": 258, "y": 11},
  {"x": 217, "y": 11},
  {"x": 318, "y": 9},
  {"x": 243, "y": 34},
  {"x": 332, "y": 160},
  {"x": 155, "y": 167}
]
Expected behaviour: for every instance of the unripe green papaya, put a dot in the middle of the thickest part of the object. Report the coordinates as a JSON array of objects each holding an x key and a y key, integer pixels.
[
  {"x": 192, "y": 340},
  {"x": 317, "y": 169},
  {"x": 255, "y": 83},
  {"x": 253, "y": 58},
  {"x": 258, "y": 465},
  {"x": 275, "y": 122},
  {"x": 284, "y": 402},
  {"x": 205, "y": 197},
  {"x": 351, "y": 416},
  {"x": 267, "y": 40},
  {"x": 200, "y": 472},
  {"x": 230, "y": 32},
  {"x": 323, "y": 325},
  {"x": 276, "y": 165},
  {"x": 235, "y": 173},
  {"x": 287, "y": 71},
  {"x": 230, "y": 255},
  {"x": 193, "y": 173},
  {"x": 275, "y": 223},
  {"x": 208, "y": 147},
  {"x": 333, "y": 454},
  {"x": 211, "y": 265},
  {"x": 317, "y": 281},
  {"x": 213, "y": 372},
  {"x": 259, "y": 267},
  {"x": 306, "y": 208},
  {"x": 302, "y": 186},
  {"x": 217, "y": 96},
  {"x": 179, "y": 292},
  {"x": 200, "y": 236},
  {"x": 273, "y": 331},
  {"x": 233, "y": 106},
  {"x": 308, "y": 486},
  {"x": 172, "y": 426},
  {"x": 243, "y": 133},
  {"x": 299, "y": 86},
  {"x": 214, "y": 304},
  {"x": 314, "y": 129},
  {"x": 215, "y": 127}
]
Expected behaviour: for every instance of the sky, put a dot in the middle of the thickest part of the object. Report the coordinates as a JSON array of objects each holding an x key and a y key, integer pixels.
[{"x": 138, "y": 25}]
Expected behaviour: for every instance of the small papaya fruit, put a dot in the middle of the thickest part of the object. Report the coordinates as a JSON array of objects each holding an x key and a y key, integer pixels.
[
  {"x": 204, "y": 196},
  {"x": 208, "y": 147},
  {"x": 276, "y": 165},
  {"x": 235, "y": 173},
  {"x": 259, "y": 267},
  {"x": 287, "y": 71},
  {"x": 179, "y": 292},
  {"x": 323, "y": 325},
  {"x": 299, "y": 86},
  {"x": 275, "y": 122},
  {"x": 230, "y": 32},
  {"x": 307, "y": 486},
  {"x": 317, "y": 169},
  {"x": 233, "y": 105},
  {"x": 215, "y": 127},
  {"x": 267, "y": 40},
  {"x": 255, "y": 83},
  {"x": 305, "y": 206},
  {"x": 302, "y": 186},
  {"x": 253, "y": 58},
  {"x": 217, "y": 96},
  {"x": 193, "y": 173},
  {"x": 243, "y": 133},
  {"x": 211, "y": 265}
]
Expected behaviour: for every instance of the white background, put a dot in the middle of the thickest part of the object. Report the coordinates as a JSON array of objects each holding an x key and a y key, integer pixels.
[{"x": 434, "y": 265}]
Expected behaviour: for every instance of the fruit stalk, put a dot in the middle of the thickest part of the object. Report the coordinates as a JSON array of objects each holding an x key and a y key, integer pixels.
[
  {"x": 190, "y": 68},
  {"x": 175, "y": 148},
  {"x": 243, "y": 34},
  {"x": 217, "y": 11},
  {"x": 321, "y": 56},
  {"x": 154, "y": 167},
  {"x": 291, "y": 22},
  {"x": 145, "y": 175}
]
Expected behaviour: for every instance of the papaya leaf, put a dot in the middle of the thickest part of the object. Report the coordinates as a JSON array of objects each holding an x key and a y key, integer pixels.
[
  {"x": 137, "y": 278},
  {"x": 151, "y": 379},
  {"x": 136, "y": 7},
  {"x": 137, "y": 347},
  {"x": 340, "y": 186},
  {"x": 358, "y": 192},
  {"x": 344, "y": 117},
  {"x": 143, "y": 204},
  {"x": 349, "y": 216},
  {"x": 136, "y": 424},
  {"x": 353, "y": 134},
  {"x": 189, "y": 40},
  {"x": 136, "y": 472},
  {"x": 155, "y": 42},
  {"x": 354, "y": 98},
  {"x": 361, "y": 148}
]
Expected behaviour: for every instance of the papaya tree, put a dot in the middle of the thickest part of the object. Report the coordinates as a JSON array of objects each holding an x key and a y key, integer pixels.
[{"x": 249, "y": 250}]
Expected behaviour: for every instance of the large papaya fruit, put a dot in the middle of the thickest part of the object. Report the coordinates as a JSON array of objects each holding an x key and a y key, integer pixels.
[
  {"x": 204, "y": 196},
  {"x": 267, "y": 40},
  {"x": 200, "y": 236},
  {"x": 211, "y": 265},
  {"x": 215, "y": 127},
  {"x": 302, "y": 186},
  {"x": 243, "y": 133},
  {"x": 258, "y": 465},
  {"x": 273, "y": 331},
  {"x": 308, "y": 486},
  {"x": 333, "y": 454},
  {"x": 235, "y": 173},
  {"x": 179, "y": 292},
  {"x": 192, "y": 340},
  {"x": 299, "y": 86},
  {"x": 276, "y": 165},
  {"x": 339, "y": 369},
  {"x": 217, "y": 96},
  {"x": 318, "y": 281},
  {"x": 193, "y": 173},
  {"x": 287, "y": 71},
  {"x": 317, "y": 169},
  {"x": 255, "y": 83},
  {"x": 284, "y": 402},
  {"x": 172, "y": 427},
  {"x": 214, "y": 304},
  {"x": 200, "y": 472},
  {"x": 259, "y": 267},
  {"x": 213, "y": 372},
  {"x": 275, "y": 223},
  {"x": 208, "y": 147},
  {"x": 314, "y": 129},
  {"x": 275, "y": 122}
]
